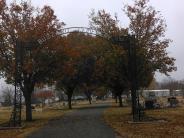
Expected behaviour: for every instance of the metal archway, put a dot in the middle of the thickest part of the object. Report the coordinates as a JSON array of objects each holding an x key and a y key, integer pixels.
[
  {"x": 68, "y": 30},
  {"x": 124, "y": 41},
  {"x": 128, "y": 42}
]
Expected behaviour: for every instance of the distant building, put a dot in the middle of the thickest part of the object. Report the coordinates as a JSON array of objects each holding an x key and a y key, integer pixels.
[
  {"x": 156, "y": 93},
  {"x": 161, "y": 93},
  {"x": 178, "y": 92}
]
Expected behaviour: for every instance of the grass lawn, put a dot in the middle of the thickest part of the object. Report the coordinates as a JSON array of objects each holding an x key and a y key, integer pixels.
[
  {"x": 39, "y": 120},
  {"x": 118, "y": 119}
]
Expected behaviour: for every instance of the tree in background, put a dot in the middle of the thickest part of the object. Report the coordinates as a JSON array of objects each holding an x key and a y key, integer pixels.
[
  {"x": 154, "y": 85},
  {"x": 25, "y": 24},
  {"x": 113, "y": 72},
  {"x": 87, "y": 69},
  {"x": 105, "y": 24},
  {"x": 101, "y": 92},
  {"x": 111, "y": 67},
  {"x": 43, "y": 95},
  {"x": 78, "y": 66},
  {"x": 7, "y": 96}
]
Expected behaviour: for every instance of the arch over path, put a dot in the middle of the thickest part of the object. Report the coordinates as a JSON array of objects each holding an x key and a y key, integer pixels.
[
  {"x": 85, "y": 122},
  {"x": 79, "y": 29},
  {"x": 68, "y": 30}
]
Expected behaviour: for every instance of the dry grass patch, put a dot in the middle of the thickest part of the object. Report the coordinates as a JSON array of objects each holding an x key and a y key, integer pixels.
[
  {"x": 39, "y": 120},
  {"x": 118, "y": 119},
  {"x": 4, "y": 114}
]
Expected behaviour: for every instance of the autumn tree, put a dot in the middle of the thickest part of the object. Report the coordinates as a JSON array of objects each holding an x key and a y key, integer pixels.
[
  {"x": 149, "y": 28},
  {"x": 112, "y": 66},
  {"x": 105, "y": 24},
  {"x": 87, "y": 69},
  {"x": 24, "y": 24},
  {"x": 154, "y": 85},
  {"x": 43, "y": 95},
  {"x": 101, "y": 92},
  {"x": 77, "y": 68},
  {"x": 113, "y": 70}
]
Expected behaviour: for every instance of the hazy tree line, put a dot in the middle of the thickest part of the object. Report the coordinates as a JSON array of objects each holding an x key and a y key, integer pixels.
[
  {"x": 7, "y": 96},
  {"x": 81, "y": 61},
  {"x": 171, "y": 84}
]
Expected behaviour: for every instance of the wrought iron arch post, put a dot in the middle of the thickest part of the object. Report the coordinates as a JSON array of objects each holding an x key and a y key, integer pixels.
[
  {"x": 15, "y": 119},
  {"x": 20, "y": 49},
  {"x": 128, "y": 42}
]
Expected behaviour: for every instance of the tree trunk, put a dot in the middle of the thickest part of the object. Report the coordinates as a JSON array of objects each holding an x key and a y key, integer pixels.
[
  {"x": 88, "y": 95},
  {"x": 27, "y": 92},
  {"x": 120, "y": 101},
  {"x": 70, "y": 99},
  {"x": 28, "y": 107},
  {"x": 69, "y": 102},
  {"x": 116, "y": 98},
  {"x": 89, "y": 98}
]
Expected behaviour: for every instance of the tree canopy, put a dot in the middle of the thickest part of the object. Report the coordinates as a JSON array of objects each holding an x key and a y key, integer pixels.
[{"x": 22, "y": 25}]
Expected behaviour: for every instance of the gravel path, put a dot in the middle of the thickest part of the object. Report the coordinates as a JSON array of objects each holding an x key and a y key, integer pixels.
[{"x": 82, "y": 123}]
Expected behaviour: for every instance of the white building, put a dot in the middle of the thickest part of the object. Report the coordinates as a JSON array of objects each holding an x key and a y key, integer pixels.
[{"x": 156, "y": 93}]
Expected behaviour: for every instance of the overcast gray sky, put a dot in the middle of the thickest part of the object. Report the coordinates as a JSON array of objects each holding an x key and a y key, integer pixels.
[{"x": 75, "y": 13}]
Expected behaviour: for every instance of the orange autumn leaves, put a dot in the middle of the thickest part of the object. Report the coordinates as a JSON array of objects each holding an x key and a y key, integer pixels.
[{"x": 74, "y": 50}]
